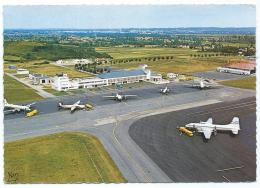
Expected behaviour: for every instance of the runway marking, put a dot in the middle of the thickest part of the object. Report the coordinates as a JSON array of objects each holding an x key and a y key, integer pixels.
[
  {"x": 104, "y": 121},
  {"x": 129, "y": 155},
  {"x": 226, "y": 179},
  {"x": 223, "y": 108},
  {"x": 150, "y": 112},
  {"x": 94, "y": 164},
  {"x": 232, "y": 168}
]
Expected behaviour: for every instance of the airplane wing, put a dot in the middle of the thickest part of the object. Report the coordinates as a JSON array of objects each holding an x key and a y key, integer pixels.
[
  {"x": 109, "y": 97},
  {"x": 207, "y": 132},
  {"x": 210, "y": 121},
  {"x": 76, "y": 103},
  {"x": 12, "y": 111},
  {"x": 73, "y": 108},
  {"x": 29, "y": 105},
  {"x": 129, "y": 96},
  {"x": 195, "y": 85}
]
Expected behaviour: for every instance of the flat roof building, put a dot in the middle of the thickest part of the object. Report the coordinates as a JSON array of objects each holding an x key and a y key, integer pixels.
[
  {"x": 22, "y": 71},
  {"x": 124, "y": 76},
  {"x": 39, "y": 78},
  {"x": 242, "y": 67}
]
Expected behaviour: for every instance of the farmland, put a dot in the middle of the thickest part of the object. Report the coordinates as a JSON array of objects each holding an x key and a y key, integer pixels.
[
  {"x": 128, "y": 52},
  {"x": 177, "y": 60},
  {"x": 59, "y": 158}
]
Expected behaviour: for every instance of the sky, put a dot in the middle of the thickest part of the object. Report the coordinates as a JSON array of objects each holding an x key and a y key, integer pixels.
[{"x": 128, "y": 16}]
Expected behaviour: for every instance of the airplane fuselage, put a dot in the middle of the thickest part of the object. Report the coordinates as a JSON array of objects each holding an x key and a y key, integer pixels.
[
  {"x": 119, "y": 97},
  {"x": 165, "y": 90},
  {"x": 199, "y": 126},
  {"x": 17, "y": 107},
  {"x": 68, "y": 106}
]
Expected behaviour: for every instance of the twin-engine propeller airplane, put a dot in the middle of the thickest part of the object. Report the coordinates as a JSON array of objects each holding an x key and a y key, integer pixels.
[
  {"x": 17, "y": 108},
  {"x": 75, "y": 106},
  {"x": 120, "y": 97},
  {"x": 203, "y": 84},
  {"x": 166, "y": 90},
  {"x": 207, "y": 128}
]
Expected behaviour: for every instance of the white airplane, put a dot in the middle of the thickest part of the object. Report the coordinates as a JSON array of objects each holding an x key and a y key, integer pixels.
[
  {"x": 166, "y": 90},
  {"x": 17, "y": 108},
  {"x": 75, "y": 106},
  {"x": 120, "y": 97},
  {"x": 208, "y": 127},
  {"x": 203, "y": 84}
]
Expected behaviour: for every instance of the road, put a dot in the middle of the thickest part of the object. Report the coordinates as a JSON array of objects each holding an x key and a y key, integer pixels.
[{"x": 110, "y": 121}]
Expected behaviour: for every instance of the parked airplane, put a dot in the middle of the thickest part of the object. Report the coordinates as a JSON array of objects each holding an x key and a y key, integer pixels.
[
  {"x": 120, "y": 97},
  {"x": 208, "y": 127},
  {"x": 17, "y": 108},
  {"x": 203, "y": 84},
  {"x": 166, "y": 90},
  {"x": 75, "y": 106}
]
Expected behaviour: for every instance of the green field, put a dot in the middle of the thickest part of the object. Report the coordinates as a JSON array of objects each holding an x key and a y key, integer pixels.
[
  {"x": 48, "y": 69},
  {"x": 182, "y": 61},
  {"x": 15, "y": 92},
  {"x": 59, "y": 158},
  {"x": 245, "y": 83},
  {"x": 126, "y": 52}
]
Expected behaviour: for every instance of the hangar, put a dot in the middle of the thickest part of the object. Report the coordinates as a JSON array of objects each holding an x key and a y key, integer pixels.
[{"x": 242, "y": 67}]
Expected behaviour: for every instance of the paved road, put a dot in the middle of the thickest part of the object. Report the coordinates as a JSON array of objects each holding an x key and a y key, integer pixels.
[
  {"x": 109, "y": 121},
  {"x": 186, "y": 159}
]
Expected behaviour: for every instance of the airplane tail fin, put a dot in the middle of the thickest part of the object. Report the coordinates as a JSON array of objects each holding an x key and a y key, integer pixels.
[
  {"x": 202, "y": 85},
  {"x": 5, "y": 102},
  {"x": 60, "y": 104},
  {"x": 236, "y": 125}
]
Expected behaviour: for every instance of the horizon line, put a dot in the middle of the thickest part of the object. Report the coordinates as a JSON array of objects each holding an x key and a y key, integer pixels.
[{"x": 132, "y": 28}]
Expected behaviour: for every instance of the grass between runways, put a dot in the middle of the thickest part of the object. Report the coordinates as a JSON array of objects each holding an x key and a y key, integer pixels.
[
  {"x": 59, "y": 158},
  {"x": 245, "y": 83},
  {"x": 15, "y": 92}
]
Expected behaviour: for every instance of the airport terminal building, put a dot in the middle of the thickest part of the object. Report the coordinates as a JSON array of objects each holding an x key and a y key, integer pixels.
[
  {"x": 63, "y": 83},
  {"x": 124, "y": 77}
]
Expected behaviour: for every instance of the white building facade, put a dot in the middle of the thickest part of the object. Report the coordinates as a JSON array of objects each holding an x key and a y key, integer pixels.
[
  {"x": 61, "y": 82},
  {"x": 22, "y": 71}
]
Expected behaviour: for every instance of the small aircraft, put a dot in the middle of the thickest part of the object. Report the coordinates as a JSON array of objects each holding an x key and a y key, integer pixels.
[
  {"x": 17, "y": 108},
  {"x": 208, "y": 127},
  {"x": 166, "y": 90},
  {"x": 120, "y": 97},
  {"x": 203, "y": 84},
  {"x": 75, "y": 106}
]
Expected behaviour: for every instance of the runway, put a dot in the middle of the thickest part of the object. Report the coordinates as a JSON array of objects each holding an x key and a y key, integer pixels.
[{"x": 190, "y": 159}]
